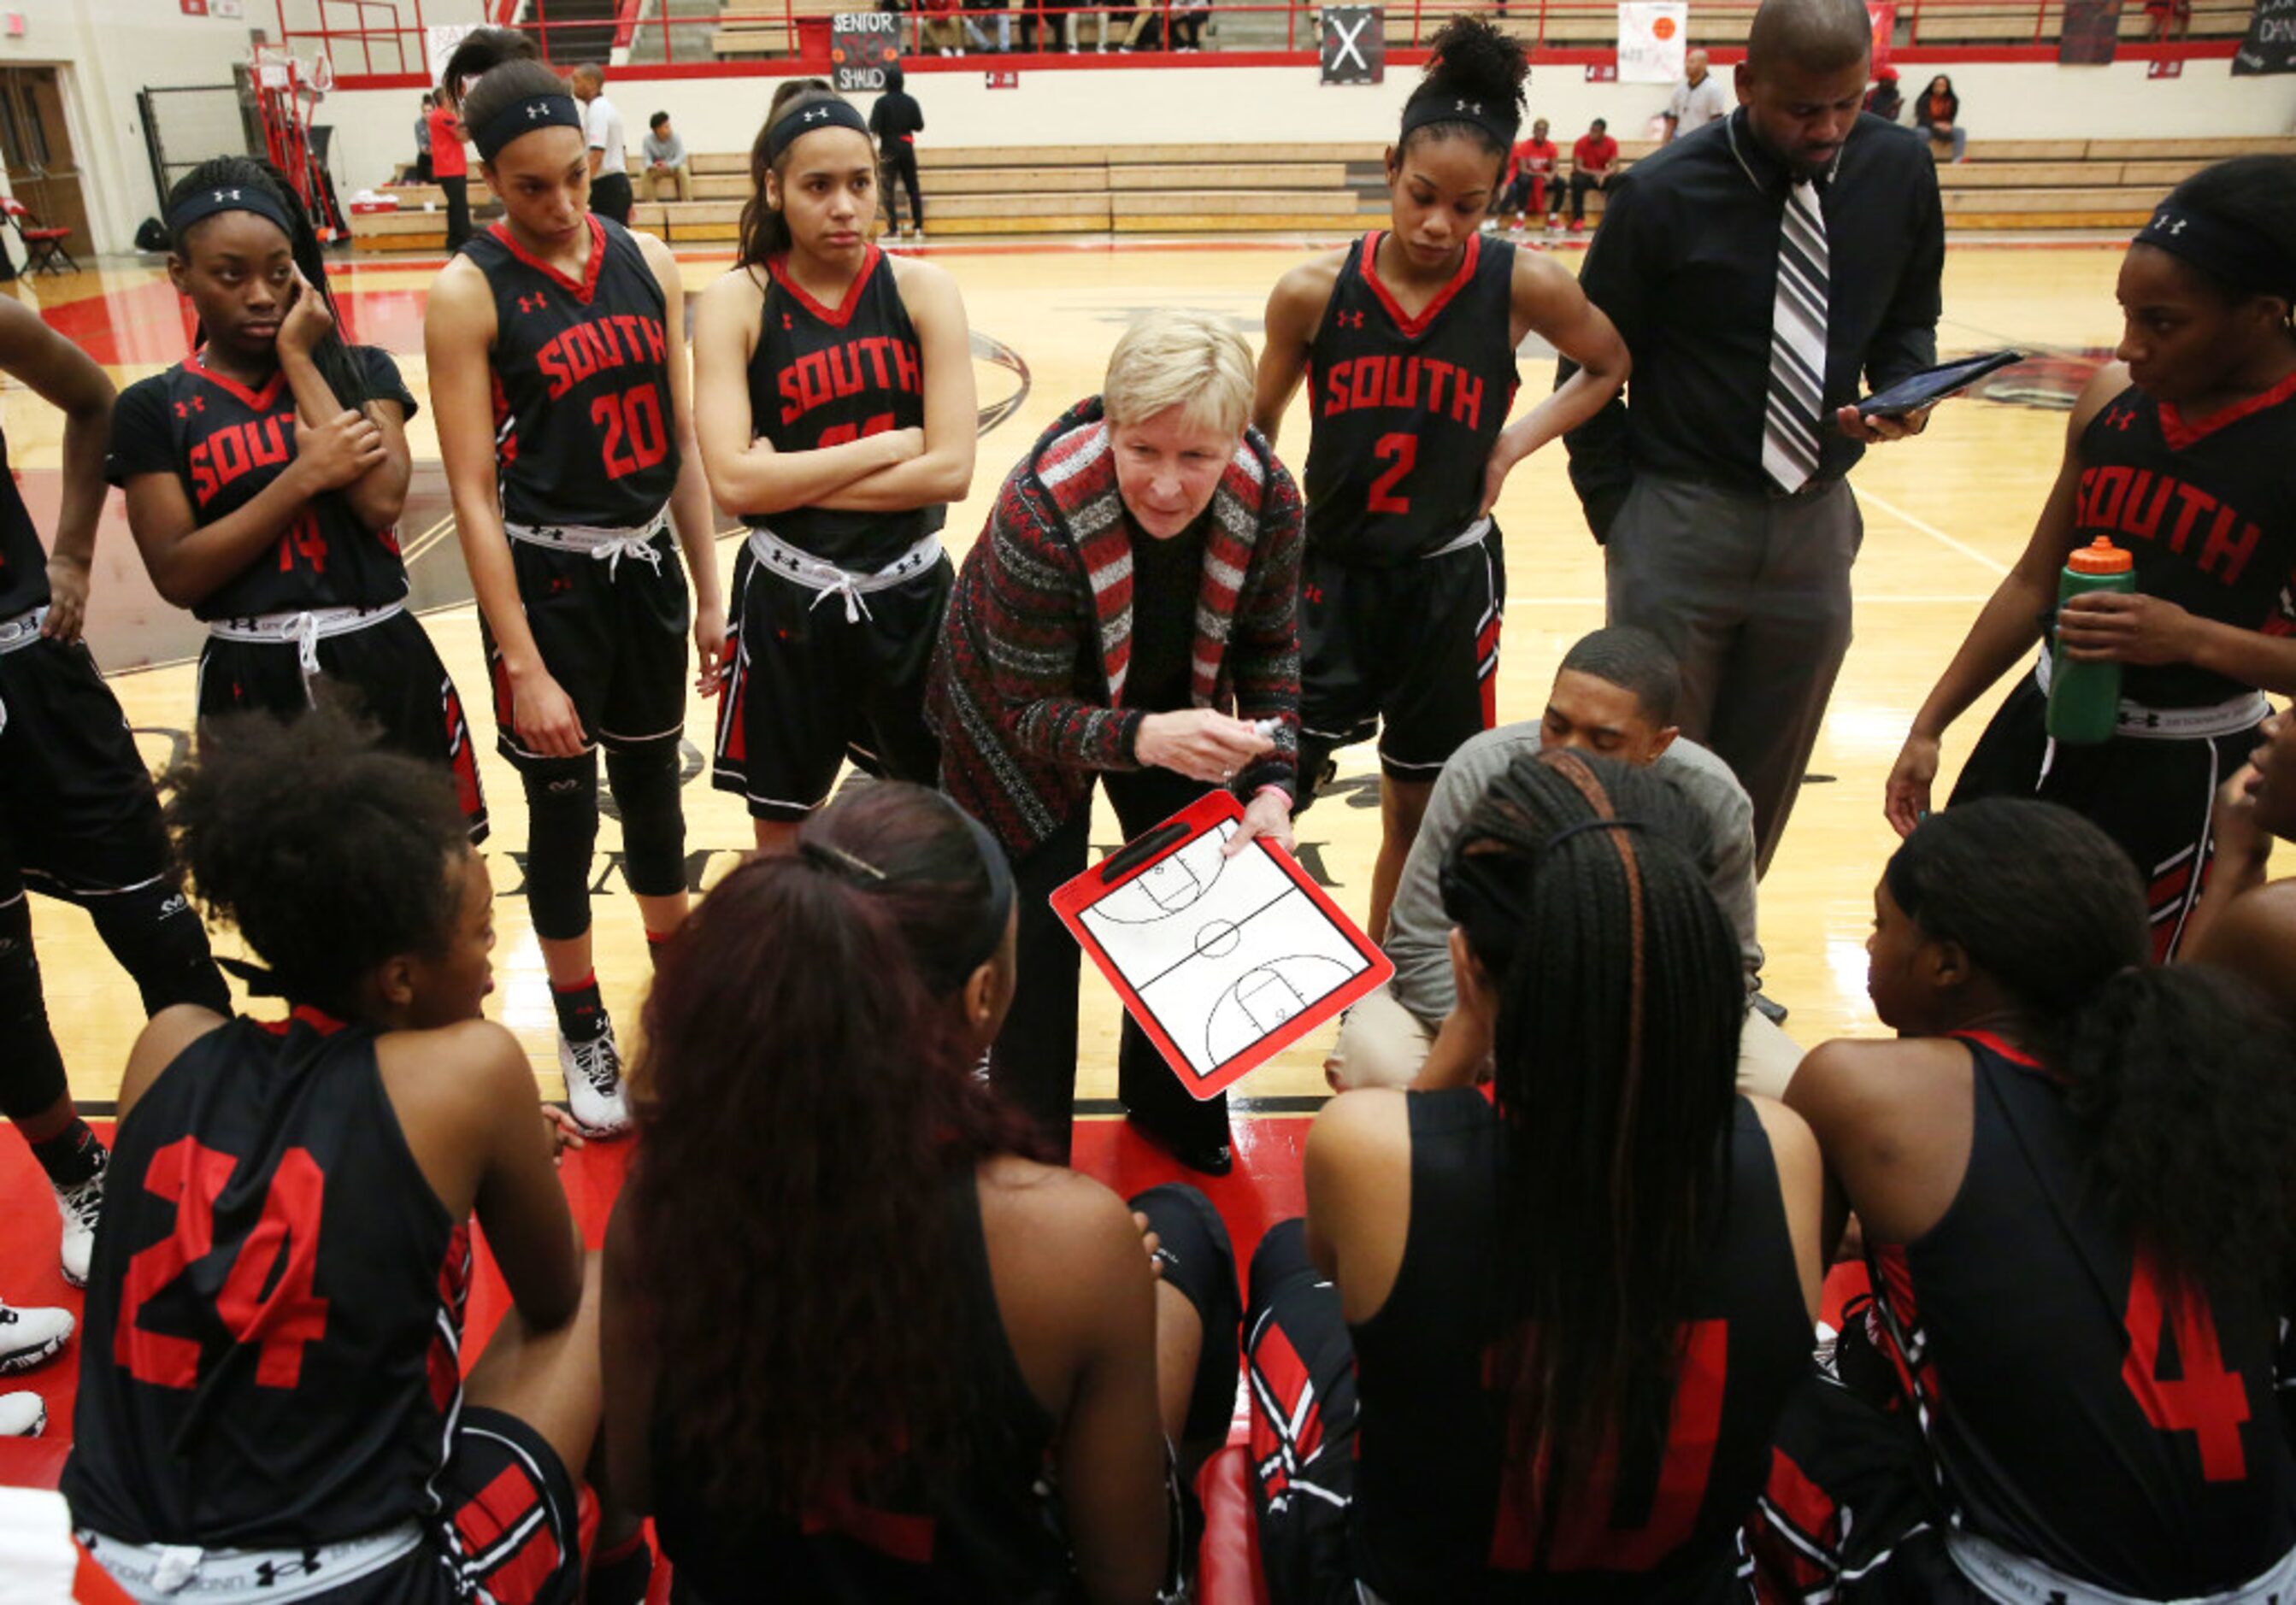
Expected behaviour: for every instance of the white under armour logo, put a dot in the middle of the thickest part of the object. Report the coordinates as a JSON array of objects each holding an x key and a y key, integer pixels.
[
  {"x": 815, "y": 116},
  {"x": 1471, "y": 108},
  {"x": 2171, "y": 225},
  {"x": 223, "y": 195},
  {"x": 534, "y": 108}
]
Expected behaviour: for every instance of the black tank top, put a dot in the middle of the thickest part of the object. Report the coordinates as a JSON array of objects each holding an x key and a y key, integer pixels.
[
  {"x": 992, "y": 1533},
  {"x": 1405, "y": 410},
  {"x": 1438, "y": 1515},
  {"x": 584, "y": 432},
  {"x": 2081, "y": 1409},
  {"x": 226, "y": 443},
  {"x": 824, "y": 375},
  {"x": 275, "y": 1307},
  {"x": 23, "y": 560},
  {"x": 2207, "y": 509}
]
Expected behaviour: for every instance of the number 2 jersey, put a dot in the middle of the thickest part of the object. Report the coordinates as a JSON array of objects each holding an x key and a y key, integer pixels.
[
  {"x": 270, "y": 1354},
  {"x": 1404, "y": 409},
  {"x": 824, "y": 375},
  {"x": 2082, "y": 1406},
  {"x": 584, "y": 430},
  {"x": 226, "y": 443}
]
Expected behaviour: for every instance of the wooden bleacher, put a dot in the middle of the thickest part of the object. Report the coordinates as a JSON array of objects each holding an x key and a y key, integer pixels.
[{"x": 1331, "y": 189}]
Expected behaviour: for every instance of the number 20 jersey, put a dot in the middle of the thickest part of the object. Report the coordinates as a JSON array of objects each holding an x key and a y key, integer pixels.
[
  {"x": 270, "y": 1354},
  {"x": 584, "y": 433},
  {"x": 1406, "y": 409}
]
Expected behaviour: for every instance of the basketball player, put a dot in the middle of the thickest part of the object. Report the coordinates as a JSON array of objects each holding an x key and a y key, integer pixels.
[
  {"x": 557, "y": 365},
  {"x": 271, "y": 1394},
  {"x": 1532, "y": 1347},
  {"x": 2071, "y": 1175},
  {"x": 859, "y": 1365},
  {"x": 265, "y": 473},
  {"x": 2181, "y": 453},
  {"x": 836, "y": 415},
  {"x": 1407, "y": 338},
  {"x": 2244, "y": 923},
  {"x": 78, "y": 821}
]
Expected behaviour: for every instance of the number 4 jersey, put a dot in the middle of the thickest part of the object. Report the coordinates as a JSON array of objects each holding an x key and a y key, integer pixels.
[
  {"x": 1406, "y": 409},
  {"x": 226, "y": 443},
  {"x": 584, "y": 432},
  {"x": 269, "y": 1358}
]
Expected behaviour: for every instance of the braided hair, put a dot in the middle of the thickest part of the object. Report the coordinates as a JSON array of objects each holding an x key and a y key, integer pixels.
[{"x": 1581, "y": 885}]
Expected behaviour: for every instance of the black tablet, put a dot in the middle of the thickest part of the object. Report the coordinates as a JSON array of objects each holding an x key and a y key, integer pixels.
[{"x": 1934, "y": 384}]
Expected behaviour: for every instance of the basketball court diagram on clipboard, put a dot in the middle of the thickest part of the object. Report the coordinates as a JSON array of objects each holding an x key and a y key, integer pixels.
[{"x": 1221, "y": 952}]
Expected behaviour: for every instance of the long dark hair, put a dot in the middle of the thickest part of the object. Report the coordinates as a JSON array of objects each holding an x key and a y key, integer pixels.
[
  {"x": 331, "y": 356},
  {"x": 1470, "y": 60},
  {"x": 805, "y": 1103},
  {"x": 765, "y": 231},
  {"x": 1620, "y": 996},
  {"x": 329, "y": 853},
  {"x": 936, "y": 884},
  {"x": 2183, "y": 1081},
  {"x": 491, "y": 68},
  {"x": 2256, "y": 194}
]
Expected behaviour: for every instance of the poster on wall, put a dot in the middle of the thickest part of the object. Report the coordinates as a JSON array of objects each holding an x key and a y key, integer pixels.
[
  {"x": 1883, "y": 15},
  {"x": 1651, "y": 40},
  {"x": 861, "y": 46},
  {"x": 2270, "y": 45},
  {"x": 1354, "y": 44},
  {"x": 2092, "y": 33}
]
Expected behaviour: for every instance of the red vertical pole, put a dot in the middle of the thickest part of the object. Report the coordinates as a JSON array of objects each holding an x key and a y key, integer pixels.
[{"x": 541, "y": 28}]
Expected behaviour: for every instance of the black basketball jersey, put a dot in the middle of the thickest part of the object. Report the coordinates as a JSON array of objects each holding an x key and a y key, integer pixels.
[
  {"x": 824, "y": 375},
  {"x": 2083, "y": 1406},
  {"x": 226, "y": 443},
  {"x": 1406, "y": 409},
  {"x": 23, "y": 560},
  {"x": 269, "y": 1357},
  {"x": 1441, "y": 1514},
  {"x": 2207, "y": 506},
  {"x": 990, "y": 1532},
  {"x": 584, "y": 432}
]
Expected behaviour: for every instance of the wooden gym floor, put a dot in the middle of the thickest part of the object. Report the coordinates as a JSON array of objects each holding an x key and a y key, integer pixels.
[{"x": 1944, "y": 517}]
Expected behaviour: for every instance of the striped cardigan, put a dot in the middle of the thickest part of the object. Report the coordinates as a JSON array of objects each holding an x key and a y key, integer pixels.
[{"x": 1028, "y": 683}]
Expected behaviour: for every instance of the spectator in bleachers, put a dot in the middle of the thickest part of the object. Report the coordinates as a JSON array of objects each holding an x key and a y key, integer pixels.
[
  {"x": 1530, "y": 168},
  {"x": 665, "y": 159},
  {"x": 895, "y": 121},
  {"x": 423, "y": 142},
  {"x": 610, "y": 195},
  {"x": 1883, "y": 100},
  {"x": 2171, "y": 19},
  {"x": 1188, "y": 23},
  {"x": 978, "y": 32},
  {"x": 1937, "y": 115},
  {"x": 1579, "y": 1305},
  {"x": 889, "y": 1356},
  {"x": 1594, "y": 159},
  {"x": 1698, "y": 100}
]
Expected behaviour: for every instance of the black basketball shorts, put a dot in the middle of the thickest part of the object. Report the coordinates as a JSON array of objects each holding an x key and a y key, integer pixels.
[
  {"x": 612, "y": 635},
  {"x": 1299, "y": 1367},
  {"x": 1410, "y": 653},
  {"x": 79, "y": 818},
  {"x": 810, "y": 687},
  {"x": 395, "y": 678}
]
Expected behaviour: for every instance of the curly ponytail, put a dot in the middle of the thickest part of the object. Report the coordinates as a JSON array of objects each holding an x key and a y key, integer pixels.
[{"x": 1470, "y": 60}]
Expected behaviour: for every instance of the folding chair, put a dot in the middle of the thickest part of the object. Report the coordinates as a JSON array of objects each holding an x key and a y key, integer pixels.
[{"x": 44, "y": 248}]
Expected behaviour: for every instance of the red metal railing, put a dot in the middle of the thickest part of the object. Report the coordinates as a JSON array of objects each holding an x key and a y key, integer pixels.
[{"x": 1045, "y": 34}]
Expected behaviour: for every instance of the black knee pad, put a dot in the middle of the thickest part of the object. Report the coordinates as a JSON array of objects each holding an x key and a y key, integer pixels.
[
  {"x": 31, "y": 1070},
  {"x": 156, "y": 935},
  {"x": 562, "y": 813},
  {"x": 644, "y": 782}
]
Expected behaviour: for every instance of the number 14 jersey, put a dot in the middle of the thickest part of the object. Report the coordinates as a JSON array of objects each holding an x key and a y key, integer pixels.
[{"x": 1406, "y": 409}]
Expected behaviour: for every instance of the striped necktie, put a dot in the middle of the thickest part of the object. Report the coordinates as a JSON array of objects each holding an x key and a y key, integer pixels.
[{"x": 1797, "y": 404}]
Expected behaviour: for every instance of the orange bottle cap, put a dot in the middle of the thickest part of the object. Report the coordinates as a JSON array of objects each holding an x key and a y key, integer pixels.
[{"x": 2101, "y": 556}]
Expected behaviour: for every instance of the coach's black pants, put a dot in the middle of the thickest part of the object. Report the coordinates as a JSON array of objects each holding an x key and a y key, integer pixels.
[
  {"x": 1034, "y": 1061},
  {"x": 610, "y": 196}
]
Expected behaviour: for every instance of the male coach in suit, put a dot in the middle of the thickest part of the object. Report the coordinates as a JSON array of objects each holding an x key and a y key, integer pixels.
[{"x": 1758, "y": 269}]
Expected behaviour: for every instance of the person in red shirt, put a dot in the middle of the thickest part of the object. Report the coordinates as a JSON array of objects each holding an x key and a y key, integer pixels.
[
  {"x": 1529, "y": 167},
  {"x": 450, "y": 169},
  {"x": 1593, "y": 160}
]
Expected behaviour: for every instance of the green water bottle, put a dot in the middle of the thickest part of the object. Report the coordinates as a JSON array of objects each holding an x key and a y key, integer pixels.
[{"x": 2085, "y": 698}]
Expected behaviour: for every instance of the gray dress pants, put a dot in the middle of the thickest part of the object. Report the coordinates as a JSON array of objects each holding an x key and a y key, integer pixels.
[{"x": 1752, "y": 592}]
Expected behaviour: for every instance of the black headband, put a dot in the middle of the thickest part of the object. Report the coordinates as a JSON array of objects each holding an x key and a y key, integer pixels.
[
  {"x": 203, "y": 204},
  {"x": 1500, "y": 120},
  {"x": 2230, "y": 255},
  {"x": 829, "y": 112},
  {"x": 523, "y": 117}
]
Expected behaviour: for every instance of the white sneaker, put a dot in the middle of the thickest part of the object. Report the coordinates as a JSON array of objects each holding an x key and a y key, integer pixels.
[
  {"x": 27, "y": 1337},
  {"x": 22, "y": 1414},
  {"x": 79, "y": 1206},
  {"x": 593, "y": 1085}
]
